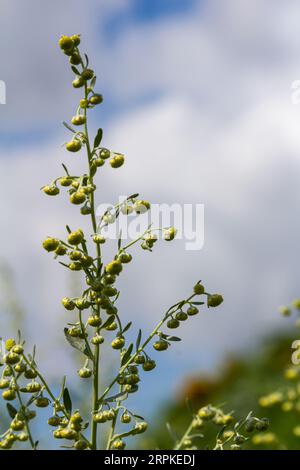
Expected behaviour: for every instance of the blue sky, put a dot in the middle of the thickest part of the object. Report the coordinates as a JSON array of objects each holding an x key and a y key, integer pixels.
[
  {"x": 143, "y": 11},
  {"x": 136, "y": 14}
]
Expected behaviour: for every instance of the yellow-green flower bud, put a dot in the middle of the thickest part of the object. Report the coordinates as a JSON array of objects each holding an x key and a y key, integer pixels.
[
  {"x": 117, "y": 161},
  {"x": 160, "y": 345},
  {"x": 94, "y": 320},
  {"x": 125, "y": 418},
  {"x": 33, "y": 387},
  {"x": 41, "y": 402},
  {"x": 87, "y": 74},
  {"x": 76, "y": 266},
  {"x": 97, "y": 339},
  {"x": 118, "y": 343},
  {"x": 78, "y": 120},
  {"x": 199, "y": 289},
  {"x": 75, "y": 238},
  {"x": 4, "y": 383},
  {"x": 118, "y": 444},
  {"x": 50, "y": 244},
  {"x": 68, "y": 303},
  {"x": 51, "y": 190},
  {"x": 84, "y": 373},
  {"x": 96, "y": 99},
  {"x": 124, "y": 257},
  {"x": 99, "y": 239},
  {"x": 11, "y": 358},
  {"x": 78, "y": 82},
  {"x": 173, "y": 323},
  {"x": 83, "y": 103},
  {"x": 54, "y": 421},
  {"x": 170, "y": 234},
  {"x": 141, "y": 427},
  {"x": 75, "y": 59},
  {"x": 66, "y": 43},
  {"x": 115, "y": 267},
  {"x": 9, "y": 395},
  {"x": 214, "y": 300},
  {"x": 104, "y": 153},
  {"x": 74, "y": 145},
  {"x": 65, "y": 181},
  {"x": 76, "y": 39},
  {"x": 9, "y": 344},
  {"x": 78, "y": 197},
  {"x": 149, "y": 365},
  {"x": 17, "y": 425},
  {"x": 18, "y": 349},
  {"x": 192, "y": 311}
]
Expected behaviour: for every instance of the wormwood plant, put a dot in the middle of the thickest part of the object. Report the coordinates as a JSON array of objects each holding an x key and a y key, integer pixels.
[{"x": 95, "y": 320}]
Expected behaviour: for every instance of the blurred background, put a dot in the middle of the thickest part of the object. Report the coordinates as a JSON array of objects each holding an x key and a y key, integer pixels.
[{"x": 198, "y": 96}]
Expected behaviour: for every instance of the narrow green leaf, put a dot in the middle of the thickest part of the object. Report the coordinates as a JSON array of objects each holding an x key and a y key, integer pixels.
[
  {"x": 116, "y": 397},
  {"x": 138, "y": 340},
  {"x": 69, "y": 127},
  {"x": 127, "y": 327},
  {"x": 93, "y": 81},
  {"x": 11, "y": 410},
  {"x": 139, "y": 417},
  {"x": 65, "y": 168},
  {"x": 67, "y": 401},
  {"x": 173, "y": 338},
  {"x": 170, "y": 338},
  {"x": 78, "y": 343},
  {"x": 98, "y": 138},
  {"x": 127, "y": 354},
  {"x": 109, "y": 321},
  {"x": 75, "y": 70},
  {"x": 120, "y": 240},
  {"x": 133, "y": 196}
]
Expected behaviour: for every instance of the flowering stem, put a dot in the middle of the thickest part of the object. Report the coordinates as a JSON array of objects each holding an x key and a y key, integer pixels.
[
  {"x": 97, "y": 346},
  {"x": 51, "y": 395},
  {"x": 185, "y": 436},
  {"x": 140, "y": 349},
  {"x": 26, "y": 419}
]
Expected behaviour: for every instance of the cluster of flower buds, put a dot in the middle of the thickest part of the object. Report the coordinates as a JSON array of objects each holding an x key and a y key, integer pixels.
[
  {"x": 101, "y": 155},
  {"x": 69, "y": 428},
  {"x": 233, "y": 434},
  {"x": 74, "y": 248},
  {"x": 80, "y": 189},
  {"x": 18, "y": 379},
  {"x": 139, "y": 428},
  {"x": 188, "y": 309}
]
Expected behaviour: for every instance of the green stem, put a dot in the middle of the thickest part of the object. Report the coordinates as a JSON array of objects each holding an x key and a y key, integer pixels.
[
  {"x": 23, "y": 408},
  {"x": 114, "y": 421},
  {"x": 185, "y": 436},
  {"x": 98, "y": 249}
]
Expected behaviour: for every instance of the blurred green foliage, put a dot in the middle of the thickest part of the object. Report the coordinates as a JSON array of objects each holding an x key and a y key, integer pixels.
[{"x": 237, "y": 387}]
